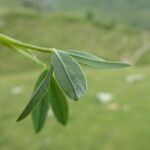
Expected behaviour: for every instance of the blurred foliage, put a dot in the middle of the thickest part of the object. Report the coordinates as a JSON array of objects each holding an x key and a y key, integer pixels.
[{"x": 135, "y": 12}]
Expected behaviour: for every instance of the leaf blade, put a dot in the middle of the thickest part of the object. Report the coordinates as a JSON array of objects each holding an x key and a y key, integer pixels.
[
  {"x": 37, "y": 96},
  {"x": 94, "y": 61},
  {"x": 58, "y": 102},
  {"x": 69, "y": 75},
  {"x": 39, "y": 113}
]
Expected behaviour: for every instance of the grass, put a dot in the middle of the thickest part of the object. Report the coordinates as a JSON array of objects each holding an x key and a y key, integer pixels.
[{"x": 92, "y": 125}]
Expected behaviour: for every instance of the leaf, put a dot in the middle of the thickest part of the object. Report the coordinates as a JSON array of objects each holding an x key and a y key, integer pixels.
[
  {"x": 84, "y": 55},
  {"x": 94, "y": 61},
  {"x": 69, "y": 75},
  {"x": 39, "y": 113},
  {"x": 37, "y": 95},
  {"x": 58, "y": 102}
]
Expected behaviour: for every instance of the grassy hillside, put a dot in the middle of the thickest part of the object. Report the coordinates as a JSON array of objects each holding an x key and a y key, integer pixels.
[
  {"x": 135, "y": 12},
  {"x": 120, "y": 124}
]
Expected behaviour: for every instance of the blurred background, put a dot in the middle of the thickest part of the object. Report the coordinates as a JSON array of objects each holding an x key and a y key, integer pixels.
[{"x": 115, "y": 112}]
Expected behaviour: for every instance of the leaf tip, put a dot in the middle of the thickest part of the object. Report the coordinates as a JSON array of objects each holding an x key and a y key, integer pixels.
[
  {"x": 127, "y": 64},
  {"x": 19, "y": 119},
  {"x": 37, "y": 130},
  {"x": 76, "y": 99},
  {"x": 64, "y": 123}
]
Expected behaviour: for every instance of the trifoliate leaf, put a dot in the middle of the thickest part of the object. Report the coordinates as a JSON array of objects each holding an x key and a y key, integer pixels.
[
  {"x": 69, "y": 75},
  {"x": 39, "y": 113},
  {"x": 37, "y": 95},
  {"x": 94, "y": 61},
  {"x": 58, "y": 102}
]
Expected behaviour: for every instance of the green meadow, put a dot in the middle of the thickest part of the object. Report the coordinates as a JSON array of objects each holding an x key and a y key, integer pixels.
[{"x": 123, "y": 123}]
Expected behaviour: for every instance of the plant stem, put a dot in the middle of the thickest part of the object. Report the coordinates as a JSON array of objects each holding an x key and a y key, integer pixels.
[
  {"x": 29, "y": 55},
  {"x": 10, "y": 41}
]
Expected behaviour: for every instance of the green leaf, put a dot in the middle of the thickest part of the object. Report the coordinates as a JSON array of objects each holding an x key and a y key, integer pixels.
[
  {"x": 58, "y": 102},
  {"x": 37, "y": 95},
  {"x": 94, "y": 61},
  {"x": 69, "y": 75},
  {"x": 39, "y": 113}
]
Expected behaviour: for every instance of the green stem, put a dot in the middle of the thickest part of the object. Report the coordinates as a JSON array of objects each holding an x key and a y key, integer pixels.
[
  {"x": 10, "y": 41},
  {"x": 29, "y": 55}
]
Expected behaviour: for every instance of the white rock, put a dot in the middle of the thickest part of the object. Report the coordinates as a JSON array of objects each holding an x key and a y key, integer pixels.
[
  {"x": 104, "y": 97},
  {"x": 16, "y": 90},
  {"x": 134, "y": 78}
]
